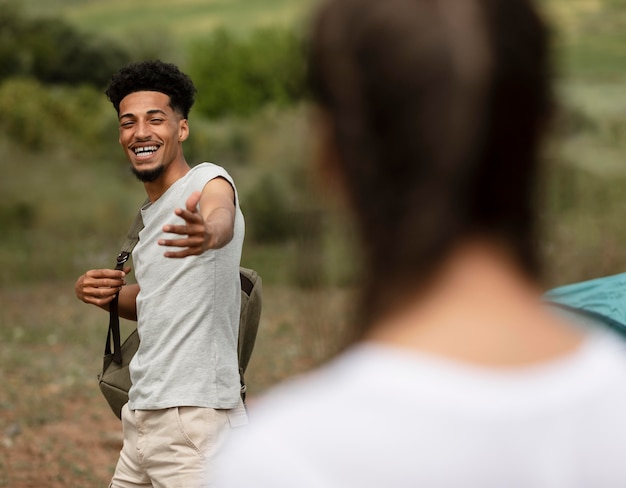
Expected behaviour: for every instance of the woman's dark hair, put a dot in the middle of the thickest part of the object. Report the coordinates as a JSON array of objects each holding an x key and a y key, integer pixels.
[
  {"x": 437, "y": 109},
  {"x": 153, "y": 76}
]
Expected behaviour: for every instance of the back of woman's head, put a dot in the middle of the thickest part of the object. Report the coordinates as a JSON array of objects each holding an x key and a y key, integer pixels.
[{"x": 436, "y": 109}]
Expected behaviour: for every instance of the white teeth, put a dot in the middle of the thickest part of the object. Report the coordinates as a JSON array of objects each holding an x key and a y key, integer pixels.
[{"x": 144, "y": 150}]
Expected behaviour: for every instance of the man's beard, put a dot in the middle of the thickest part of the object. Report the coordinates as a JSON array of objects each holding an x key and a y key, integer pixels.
[{"x": 149, "y": 175}]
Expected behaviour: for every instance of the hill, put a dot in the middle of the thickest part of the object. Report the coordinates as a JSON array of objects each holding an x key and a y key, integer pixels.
[
  {"x": 182, "y": 19},
  {"x": 591, "y": 34}
]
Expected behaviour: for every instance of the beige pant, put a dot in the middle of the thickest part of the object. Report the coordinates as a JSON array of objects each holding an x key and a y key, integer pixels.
[{"x": 171, "y": 448}]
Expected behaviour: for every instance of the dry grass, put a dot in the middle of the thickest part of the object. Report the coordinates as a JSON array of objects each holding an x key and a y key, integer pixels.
[{"x": 55, "y": 428}]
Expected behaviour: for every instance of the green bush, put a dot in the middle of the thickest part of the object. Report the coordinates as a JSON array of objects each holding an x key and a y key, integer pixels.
[
  {"x": 240, "y": 75},
  {"x": 37, "y": 117},
  {"x": 227, "y": 142},
  {"x": 268, "y": 218}
]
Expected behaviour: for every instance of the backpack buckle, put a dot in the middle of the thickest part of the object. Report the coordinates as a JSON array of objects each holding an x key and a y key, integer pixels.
[{"x": 121, "y": 259}]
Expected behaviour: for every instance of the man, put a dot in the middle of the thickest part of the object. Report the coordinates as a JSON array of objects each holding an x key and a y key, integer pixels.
[
  {"x": 185, "y": 383},
  {"x": 430, "y": 117}
]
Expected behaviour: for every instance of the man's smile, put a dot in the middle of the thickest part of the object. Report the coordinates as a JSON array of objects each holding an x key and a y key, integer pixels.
[{"x": 145, "y": 152}]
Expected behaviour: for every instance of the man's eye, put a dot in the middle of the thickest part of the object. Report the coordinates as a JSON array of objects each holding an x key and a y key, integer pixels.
[
  {"x": 156, "y": 121},
  {"x": 126, "y": 124}
]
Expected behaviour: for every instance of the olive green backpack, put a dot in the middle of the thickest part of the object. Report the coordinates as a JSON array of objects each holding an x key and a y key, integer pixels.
[{"x": 114, "y": 380}]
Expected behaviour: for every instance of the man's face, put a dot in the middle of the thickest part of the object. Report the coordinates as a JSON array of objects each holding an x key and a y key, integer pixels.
[{"x": 150, "y": 133}]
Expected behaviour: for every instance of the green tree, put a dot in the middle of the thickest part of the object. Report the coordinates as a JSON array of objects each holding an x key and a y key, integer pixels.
[
  {"x": 240, "y": 75},
  {"x": 11, "y": 25},
  {"x": 61, "y": 54},
  {"x": 54, "y": 52}
]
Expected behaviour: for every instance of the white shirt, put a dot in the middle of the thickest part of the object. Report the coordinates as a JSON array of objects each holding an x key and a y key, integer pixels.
[
  {"x": 187, "y": 310},
  {"x": 383, "y": 417}
]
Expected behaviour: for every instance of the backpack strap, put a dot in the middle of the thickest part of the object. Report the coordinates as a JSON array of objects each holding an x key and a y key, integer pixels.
[
  {"x": 132, "y": 236},
  {"x": 113, "y": 335}
]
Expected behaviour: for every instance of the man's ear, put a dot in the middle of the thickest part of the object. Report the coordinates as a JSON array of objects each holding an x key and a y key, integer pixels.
[{"x": 183, "y": 130}]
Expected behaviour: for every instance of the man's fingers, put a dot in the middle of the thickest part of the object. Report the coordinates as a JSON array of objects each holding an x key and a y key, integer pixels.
[
  {"x": 97, "y": 295},
  {"x": 105, "y": 283},
  {"x": 183, "y": 230},
  {"x": 109, "y": 292},
  {"x": 194, "y": 242},
  {"x": 186, "y": 242},
  {"x": 184, "y": 253},
  {"x": 99, "y": 286},
  {"x": 99, "y": 300},
  {"x": 188, "y": 247},
  {"x": 190, "y": 214},
  {"x": 192, "y": 218},
  {"x": 106, "y": 273},
  {"x": 192, "y": 201},
  {"x": 192, "y": 228}
]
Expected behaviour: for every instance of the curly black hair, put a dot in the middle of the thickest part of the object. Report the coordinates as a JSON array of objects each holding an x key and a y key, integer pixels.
[{"x": 153, "y": 75}]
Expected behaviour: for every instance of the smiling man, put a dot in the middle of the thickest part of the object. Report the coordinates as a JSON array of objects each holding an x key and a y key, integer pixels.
[{"x": 185, "y": 389}]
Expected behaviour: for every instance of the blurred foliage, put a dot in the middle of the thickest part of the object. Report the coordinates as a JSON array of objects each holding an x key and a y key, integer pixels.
[
  {"x": 42, "y": 118},
  {"x": 268, "y": 217},
  {"x": 235, "y": 74},
  {"x": 585, "y": 175},
  {"x": 67, "y": 196},
  {"x": 240, "y": 75},
  {"x": 590, "y": 37},
  {"x": 53, "y": 51}
]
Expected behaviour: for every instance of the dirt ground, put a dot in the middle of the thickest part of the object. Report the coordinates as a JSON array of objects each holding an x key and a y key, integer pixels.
[
  {"x": 79, "y": 449},
  {"x": 56, "y": 429}
]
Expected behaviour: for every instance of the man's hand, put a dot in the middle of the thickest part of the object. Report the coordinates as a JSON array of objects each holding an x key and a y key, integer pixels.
[
  {"x": 197, "y": 238},
  {"x": 207, "y": 226},
  {"x": 99, "y": 286}
]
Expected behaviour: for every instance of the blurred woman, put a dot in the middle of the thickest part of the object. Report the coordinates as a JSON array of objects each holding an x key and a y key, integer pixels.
[{"x": 430, "y": 117}]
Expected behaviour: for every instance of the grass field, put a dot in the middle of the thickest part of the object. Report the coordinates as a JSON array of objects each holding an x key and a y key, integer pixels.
[
  {"x": 62, "y": 211},
  {"x": 183, "y": 19}
]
